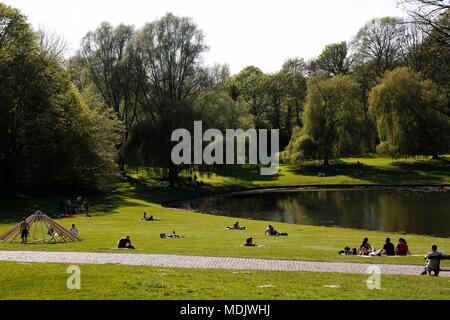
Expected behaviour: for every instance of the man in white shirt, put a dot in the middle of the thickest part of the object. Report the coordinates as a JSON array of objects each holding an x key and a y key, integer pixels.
[{"x": 433, "y": 261}]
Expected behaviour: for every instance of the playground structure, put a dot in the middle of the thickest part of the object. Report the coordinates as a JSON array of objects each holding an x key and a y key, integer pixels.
[{"x": 43, "y": 229}]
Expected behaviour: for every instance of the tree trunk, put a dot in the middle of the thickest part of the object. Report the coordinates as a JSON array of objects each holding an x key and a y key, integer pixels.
[
  {"x": 121, "y": 163},
  {"x": 173, "y": 176},
  {"x": 326, "y": 162}
]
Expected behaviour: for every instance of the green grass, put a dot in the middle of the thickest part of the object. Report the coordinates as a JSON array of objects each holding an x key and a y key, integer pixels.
[
  {"x": 31, "y": 281},
  {"x": 117, "y": 214},
  {"x": 372, "y": 169}
]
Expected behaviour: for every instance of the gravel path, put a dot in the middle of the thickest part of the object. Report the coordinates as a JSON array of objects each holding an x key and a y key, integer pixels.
[{"x": 180, "y": 261}]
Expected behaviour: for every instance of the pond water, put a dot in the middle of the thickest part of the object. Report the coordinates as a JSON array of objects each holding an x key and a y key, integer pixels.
[{"x": 389, "y": 210}]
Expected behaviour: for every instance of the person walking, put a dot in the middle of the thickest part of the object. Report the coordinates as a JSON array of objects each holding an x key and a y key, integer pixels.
[{"x": 86, "y": 207}]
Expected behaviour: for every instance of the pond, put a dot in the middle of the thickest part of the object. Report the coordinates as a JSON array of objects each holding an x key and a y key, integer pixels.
[{"x": 417, "y": 211}]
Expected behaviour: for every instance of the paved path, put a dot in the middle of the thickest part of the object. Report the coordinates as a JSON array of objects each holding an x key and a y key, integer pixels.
[{"x": 180, "y": 261}]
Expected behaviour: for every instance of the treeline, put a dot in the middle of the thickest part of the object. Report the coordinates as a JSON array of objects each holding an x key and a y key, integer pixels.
[{"x": 77, "y": 123}]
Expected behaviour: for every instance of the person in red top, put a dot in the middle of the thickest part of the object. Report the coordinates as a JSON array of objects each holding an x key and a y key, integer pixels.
[{"x": 402, "y": 248}]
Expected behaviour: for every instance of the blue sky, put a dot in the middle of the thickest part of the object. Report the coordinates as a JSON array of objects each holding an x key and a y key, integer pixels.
[{"x": 239, "y": 32}]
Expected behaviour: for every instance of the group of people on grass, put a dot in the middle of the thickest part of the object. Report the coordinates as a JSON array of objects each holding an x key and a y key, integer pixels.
[
  {"x": 24, "y": 227},
  {"x": 366, "y": 249},
  {"x": 401, "y": 249},
  {"x": 69, "y": 208}
]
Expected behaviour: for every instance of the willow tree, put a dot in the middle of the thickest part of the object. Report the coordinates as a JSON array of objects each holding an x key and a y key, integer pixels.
[
  {"x": 332, "y": 121},
  {"x": 169, "y": 51},
  {"x": 405, "y": 108}
]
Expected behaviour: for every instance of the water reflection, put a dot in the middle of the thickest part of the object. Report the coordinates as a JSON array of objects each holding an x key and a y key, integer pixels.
[{"x": 382, "y": 210}]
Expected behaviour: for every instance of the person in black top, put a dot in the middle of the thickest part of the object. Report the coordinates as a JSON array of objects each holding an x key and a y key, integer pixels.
[
  {"x": 389, "y": 248},
  {"x": 125, "y": 243}
]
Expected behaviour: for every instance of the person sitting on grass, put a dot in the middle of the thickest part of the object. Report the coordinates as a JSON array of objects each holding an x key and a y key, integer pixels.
[
  {"x": 174, "y": 235},
  {"x": 249, "y": 243},
  {"x": 433, "y": 265},
  {"x": 388, "y": 248},
  {"x": 270, "y": 231},
  {"x": 236, "y": 226},
  {"x": 402, "y": 248},
  {"x": 74, "y": 230},
  {"x": 52, "y": 233},
  {"x": 125, "y": 243},
  {"x": 365, "y": 248},
  {"x": 151, "y": 218}
]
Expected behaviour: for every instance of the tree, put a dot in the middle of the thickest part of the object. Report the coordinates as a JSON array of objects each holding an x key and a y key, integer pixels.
[
  {"x": 333, "y": 60},
  {"x": 109, "y": 58},
  {"x": 378, "y": 44},
  {"x": 49, "y": 138},
  {"x": 52, "y": 43},
  {"x": 404, "y": 106},
  {"x": 169, "y": 52},
  {"x": 432, "y": 16},
  {"x": 249, "y": 84},
  {"x": 295, "y": 69},
  {"x": 433, "y": 63},
  {"x": 332, "y": 119}
]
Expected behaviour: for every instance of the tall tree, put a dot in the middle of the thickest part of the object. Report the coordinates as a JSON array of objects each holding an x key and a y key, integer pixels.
[
  {"x": 109, "y": 58},
  {"x": 404, "y": 106},
  {"x": 295, "y": 69},
  {"x": 432, "y": 16},
  {"x": 378, "y": 44},
  {"x": 249, "y": 84},
  {"x": 49, "y": 138},
  {"x": 333, "y": 60},
  {"x": 169, "y": 51},
  {"x": 332, "y": 119}
]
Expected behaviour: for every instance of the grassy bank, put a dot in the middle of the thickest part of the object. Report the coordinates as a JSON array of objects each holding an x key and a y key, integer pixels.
[
  {"x": 28, "y": 281},
  {"x": 117, "y": 214}
]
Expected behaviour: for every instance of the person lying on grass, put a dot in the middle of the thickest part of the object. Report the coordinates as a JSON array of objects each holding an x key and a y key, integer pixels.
[
  {"x": 151, "y": 218},
  {"x": 125, "y": 243},
  {"x": 348, "y": 252},
  {"x": 270, "y": 231},
  {"x": 172, "y": 235},
  {"x": 236, "y": 226},
  {"x": 249, "y": 243}
]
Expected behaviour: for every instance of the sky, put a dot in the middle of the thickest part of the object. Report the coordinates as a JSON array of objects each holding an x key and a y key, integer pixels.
[{"x": 263, "y": 33}]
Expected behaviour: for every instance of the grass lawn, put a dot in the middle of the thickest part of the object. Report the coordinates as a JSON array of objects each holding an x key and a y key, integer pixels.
[
  {"x": 116, "y": 214},
  {"x": 31, "y": 281}
]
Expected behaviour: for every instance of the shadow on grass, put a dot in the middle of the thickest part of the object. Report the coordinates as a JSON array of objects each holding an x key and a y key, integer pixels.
[
  {"x": 417, "y": 172},
  {"x": 245, "y": 173}
]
